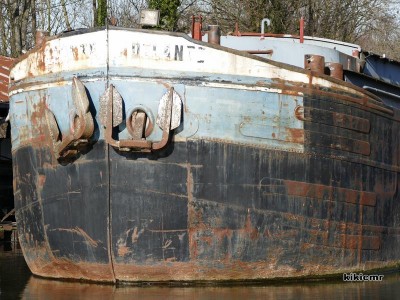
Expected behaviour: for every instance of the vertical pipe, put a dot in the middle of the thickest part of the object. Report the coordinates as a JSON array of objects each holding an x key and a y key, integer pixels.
[
  {"x": 335, "y": 70},
  {"x": 263, "y": 26},
  {"x": 214, "y": 34},
  {"x": 237, "y": 33},
  {"x": 197, "y": 27},
  {"x": 315, "y": 63},
  {"x": 193, "y": 20},
  {"x": 302, "y": 30}
]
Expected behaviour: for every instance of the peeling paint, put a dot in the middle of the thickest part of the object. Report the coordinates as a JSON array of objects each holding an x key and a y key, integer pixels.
[{"x": 260, "y": 170}]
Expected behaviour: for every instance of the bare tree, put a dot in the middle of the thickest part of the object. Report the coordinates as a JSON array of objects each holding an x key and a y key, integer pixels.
[
  {"x": 248, "y": 14},
  {"x": 64, "y": 8},
  {"x": 3, "y": 30},
  {"x": 16, "y": 26},
  {"x": 127, "y": 11},
  {"x": 34, "y": 19},
  {"x": 346, "y": 20},
  {"x": 374, "y": 24}
]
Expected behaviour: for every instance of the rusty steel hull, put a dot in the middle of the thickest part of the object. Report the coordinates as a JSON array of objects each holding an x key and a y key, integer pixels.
[
  {"x": 235, "y": 223},
  {"x": 62, "y": 234},
  {"x": 195, "y": 216},
  {"x": 206, "y": 210},
  {"x": 244, "y": 172}
]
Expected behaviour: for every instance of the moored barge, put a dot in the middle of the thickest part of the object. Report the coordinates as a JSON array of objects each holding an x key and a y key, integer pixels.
[{"x": 145, "y": 156}]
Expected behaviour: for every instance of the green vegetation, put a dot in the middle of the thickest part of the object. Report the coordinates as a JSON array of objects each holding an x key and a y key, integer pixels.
[
  {"x": 168, "y": 12},
  {"x": 101, "y": 13}
]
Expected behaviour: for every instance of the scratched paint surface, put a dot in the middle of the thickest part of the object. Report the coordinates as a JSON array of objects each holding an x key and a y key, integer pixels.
[{"x": 272, "y": 171}]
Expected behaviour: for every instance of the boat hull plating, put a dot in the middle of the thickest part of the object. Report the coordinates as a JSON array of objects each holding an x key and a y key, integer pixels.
[
  {"x": 268, "y": 175},
  {"x": 196, "y": 216}
]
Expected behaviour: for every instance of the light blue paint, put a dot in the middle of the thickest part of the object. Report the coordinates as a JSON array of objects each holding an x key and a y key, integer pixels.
[
  {"x": 225, "y": 113},
  {"x": 290, "y": 51}
]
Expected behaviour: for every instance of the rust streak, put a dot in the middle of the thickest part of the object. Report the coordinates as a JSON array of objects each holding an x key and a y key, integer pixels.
[
  {"x": 80, "y": 232},
  {"x": 324, "y": 192},
  {"x": 350, "y": 94},
  {"x": 360, "y": 237},
  {"x": 123, "y": 250},
  {"x": 75, "y": 53},
  {"x": 41, "y": 180},
  {"x": 295, "y": 135}
]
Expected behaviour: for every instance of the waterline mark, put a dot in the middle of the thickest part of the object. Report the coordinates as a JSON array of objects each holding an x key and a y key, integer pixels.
[{"x": 361, "y": 277}]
